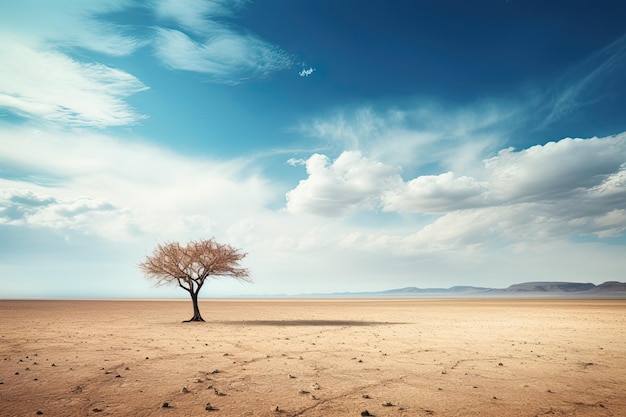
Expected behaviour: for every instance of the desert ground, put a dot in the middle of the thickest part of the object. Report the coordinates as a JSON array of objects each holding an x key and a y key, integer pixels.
[{"x": 313, "y": 358}]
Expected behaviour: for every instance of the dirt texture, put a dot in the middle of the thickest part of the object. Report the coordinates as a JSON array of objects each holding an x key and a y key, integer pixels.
[{"x": 313, "y": 358}]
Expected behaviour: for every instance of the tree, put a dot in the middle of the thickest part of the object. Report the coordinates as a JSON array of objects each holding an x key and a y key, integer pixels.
[{"x": 189, "y": 266}]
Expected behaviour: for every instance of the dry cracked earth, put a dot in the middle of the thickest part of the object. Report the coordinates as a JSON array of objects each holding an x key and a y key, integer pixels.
[{"x": 313, "y": 358}]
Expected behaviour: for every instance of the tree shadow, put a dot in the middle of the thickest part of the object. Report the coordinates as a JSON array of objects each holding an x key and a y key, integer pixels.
[{"x": 329, "y": 323}]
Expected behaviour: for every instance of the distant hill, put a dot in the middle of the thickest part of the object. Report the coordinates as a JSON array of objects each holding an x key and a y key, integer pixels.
[
  {"x": 457, "y": 289},
  {"x": 609, "y": 289},
  {"x": 610, "y": 286},
  {"x": 550, "y": 287}
]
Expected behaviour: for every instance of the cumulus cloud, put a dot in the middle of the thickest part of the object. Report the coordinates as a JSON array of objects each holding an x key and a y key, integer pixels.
[
  {"x": 552, "y": 191},
  {"x": 225, "y": 54},
  {"x": 435, "y": 194},
  {"x": 332, "y": 188},
  {"x": 555, "y": 169}
]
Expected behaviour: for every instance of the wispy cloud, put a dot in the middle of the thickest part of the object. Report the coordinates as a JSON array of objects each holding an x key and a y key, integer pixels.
[
  {"x": 40, "y": 80},
  {"x": 44, "y": 78},
  {"x": 196, "y": 16},
  {"x": 200, "y": 41},
  {"x": 227, "y": 57},
  {"x": 68, "y": 24},
  {"x": 419, "y": 135},
  {"x": 102, "y": 188},
  {"x": 51, "y": 86},
  {"x": 579, "y": 86}
]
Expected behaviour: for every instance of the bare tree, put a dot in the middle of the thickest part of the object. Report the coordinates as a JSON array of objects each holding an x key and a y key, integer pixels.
[{"x": 189, "y": 266}]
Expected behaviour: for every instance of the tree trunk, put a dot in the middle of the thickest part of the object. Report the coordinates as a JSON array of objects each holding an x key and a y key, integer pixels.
[{"x": 196, "y": 310}]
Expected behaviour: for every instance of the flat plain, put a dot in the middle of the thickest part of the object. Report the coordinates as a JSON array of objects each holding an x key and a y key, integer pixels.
[{"x": 313, "y": 358}]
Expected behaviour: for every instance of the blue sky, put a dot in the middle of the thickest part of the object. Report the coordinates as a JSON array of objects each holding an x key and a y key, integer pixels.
[{"x": 345, "y": 146}]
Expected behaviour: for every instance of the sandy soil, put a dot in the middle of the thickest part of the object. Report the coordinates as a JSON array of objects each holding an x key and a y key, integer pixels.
[{"x": 314, "y": 358}]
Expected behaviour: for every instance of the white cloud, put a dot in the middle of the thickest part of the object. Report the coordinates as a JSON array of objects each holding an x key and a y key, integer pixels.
[
  {"x": 435, "y": 194},
  {"x": 38, "y": 77},
  {"x": 555, "y": 169},
  {"x": 196, "y": 15},
  {"x": 306, "y": 72},
  {"x": 225, "y": 54},
  {"x": 351, "y": 181},
  {"x": 227, "y": 57},
  {"x": 419, "y": 136},
  {"x": 103, "y": 186},
  {"x": 81, "y": 213},
  {"x": 70, "y": 23},
  {"x": 558, "y": 190},
  {"x": 296, "y": 161},
  {"x": 51, "y": 86}
]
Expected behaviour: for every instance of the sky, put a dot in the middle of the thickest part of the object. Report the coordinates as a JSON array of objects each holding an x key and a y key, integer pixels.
[{"x": 343, "y": 145}]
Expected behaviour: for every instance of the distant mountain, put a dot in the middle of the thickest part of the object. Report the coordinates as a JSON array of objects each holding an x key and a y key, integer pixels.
[
  {"x": 457, "y": 289},
  {"x": 610, "y": 286},
  {"x": 610, "y": 289},
  {"x": 550, "y": 287}
]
